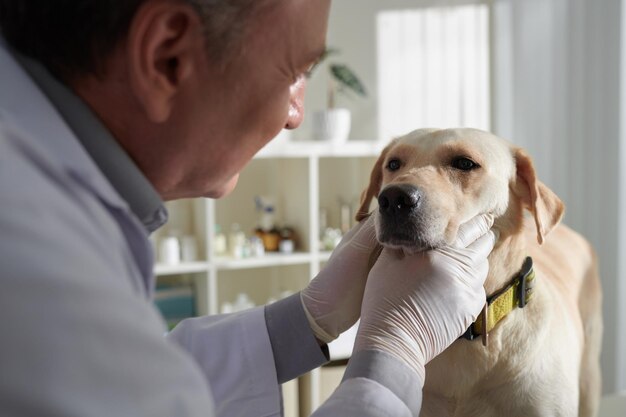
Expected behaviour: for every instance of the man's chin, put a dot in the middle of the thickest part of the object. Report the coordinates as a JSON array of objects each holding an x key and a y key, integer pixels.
[
  {"x": 224, "y": 189},
  {"x": 221, "y": 190}
]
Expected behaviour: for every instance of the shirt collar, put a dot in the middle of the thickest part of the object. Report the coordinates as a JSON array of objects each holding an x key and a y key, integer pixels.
[{"x": 115, "y": 164}]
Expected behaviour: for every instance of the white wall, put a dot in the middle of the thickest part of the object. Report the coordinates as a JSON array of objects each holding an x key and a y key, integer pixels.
[{"x": 557, "y": 93}]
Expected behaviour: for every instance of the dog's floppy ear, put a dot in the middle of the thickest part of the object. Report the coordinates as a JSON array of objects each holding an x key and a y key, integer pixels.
[
  {"x": 372, "y": 190},
  {"x": 546, "y": 207}
]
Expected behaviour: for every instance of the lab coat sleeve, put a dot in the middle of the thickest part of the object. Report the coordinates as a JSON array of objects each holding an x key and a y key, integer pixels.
[
  {"x": 375, "y": 384},
  {"x": 245, "y": 356},
  {"x": 235, "y": 356},
  {"x": 296, "y": 350}
]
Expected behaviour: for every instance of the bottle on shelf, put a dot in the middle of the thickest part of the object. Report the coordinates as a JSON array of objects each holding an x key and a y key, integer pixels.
[
  {"x": 330, "y": 239},
  {"x": 220, "y": 244},
  {"x": 266, "y": 230},
  {"x": 267, "y": 220},
  {"x": 323, "y": 221},
  {"x": 345, "y": 216},
  {"x": 242, "y": 302},
  {"x": 256, "y": 246},
  {"x": 188, "y": 248},
  {"x": 236, "y": 241}
]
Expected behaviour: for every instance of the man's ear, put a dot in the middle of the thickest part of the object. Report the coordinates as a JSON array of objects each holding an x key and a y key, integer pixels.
[
  {"x": 546, "y": 207},
  {"x": 163, "y": 42},
  {"x": 372, "y": 190}
]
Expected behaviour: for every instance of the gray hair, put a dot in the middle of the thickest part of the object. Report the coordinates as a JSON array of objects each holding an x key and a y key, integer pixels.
[
  {"x": 73, "y": 37},
  {"x": 225, "y": 23}
]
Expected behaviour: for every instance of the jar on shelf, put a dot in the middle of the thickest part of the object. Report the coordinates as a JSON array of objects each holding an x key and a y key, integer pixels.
[
  {"x": 270, "y": 239},
  {"x": 169, "y": 250},
  {"x": 236, "y": 241},
  {"x": 287, "y": 240}
]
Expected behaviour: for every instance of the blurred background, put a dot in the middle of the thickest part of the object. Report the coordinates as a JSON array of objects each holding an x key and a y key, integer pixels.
[{"x": 547, "y": 75}]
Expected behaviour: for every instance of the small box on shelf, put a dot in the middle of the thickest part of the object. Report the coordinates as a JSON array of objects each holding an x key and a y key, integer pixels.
[{"x": 175, "y": 302}]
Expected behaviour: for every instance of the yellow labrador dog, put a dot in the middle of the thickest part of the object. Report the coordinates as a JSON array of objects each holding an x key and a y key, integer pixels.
[{"x": 535, "y": 349}]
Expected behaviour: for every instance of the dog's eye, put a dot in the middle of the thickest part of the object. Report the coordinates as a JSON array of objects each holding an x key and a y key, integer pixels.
[
  {"x": 464, "y": 164},
  {"x": 393, "y": 165}
]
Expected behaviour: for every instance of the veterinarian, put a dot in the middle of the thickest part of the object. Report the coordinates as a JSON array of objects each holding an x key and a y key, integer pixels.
[{"x": 109, "y": 108}]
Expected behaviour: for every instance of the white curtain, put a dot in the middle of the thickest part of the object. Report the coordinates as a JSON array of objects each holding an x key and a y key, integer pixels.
[{"x": 556, "y": 92}]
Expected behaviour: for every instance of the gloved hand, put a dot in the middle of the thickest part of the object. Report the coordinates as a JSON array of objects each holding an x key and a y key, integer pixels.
[
  {"x": 416, "y": 305},
  {"x": 332, "y": 300}
]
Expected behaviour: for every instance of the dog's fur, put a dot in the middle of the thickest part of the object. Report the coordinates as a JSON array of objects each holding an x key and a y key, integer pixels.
[{"x": 542, "y": 360}]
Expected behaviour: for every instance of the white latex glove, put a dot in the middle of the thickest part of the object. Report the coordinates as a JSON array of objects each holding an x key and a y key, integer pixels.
[
  {"x": 415, "y": 306},
  {"x": 332, "y": 300}
]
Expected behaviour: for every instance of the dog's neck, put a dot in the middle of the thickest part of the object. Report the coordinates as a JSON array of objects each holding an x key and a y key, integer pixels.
[{"x": 506, "y": 259}]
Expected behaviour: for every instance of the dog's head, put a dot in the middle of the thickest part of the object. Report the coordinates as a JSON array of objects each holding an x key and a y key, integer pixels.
[{"x": 430, "y": 181}]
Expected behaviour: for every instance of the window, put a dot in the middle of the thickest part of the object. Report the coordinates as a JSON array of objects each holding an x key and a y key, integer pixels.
[{"x": 433, "y": 69}]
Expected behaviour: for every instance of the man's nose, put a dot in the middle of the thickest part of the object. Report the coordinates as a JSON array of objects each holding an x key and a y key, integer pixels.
[{"x": 296, "y": 103}]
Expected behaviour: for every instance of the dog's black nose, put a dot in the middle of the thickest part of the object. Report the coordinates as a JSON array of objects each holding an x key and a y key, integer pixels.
[{"x": 399, "y": 199}]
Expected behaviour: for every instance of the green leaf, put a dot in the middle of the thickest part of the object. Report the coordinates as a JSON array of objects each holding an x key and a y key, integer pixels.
[{"x": 347, "y": 78}]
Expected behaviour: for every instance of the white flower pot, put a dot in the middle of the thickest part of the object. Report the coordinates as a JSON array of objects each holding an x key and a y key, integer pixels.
[
  {"x": 331, "y": 125},
  {"x": 278, "y": 142}
]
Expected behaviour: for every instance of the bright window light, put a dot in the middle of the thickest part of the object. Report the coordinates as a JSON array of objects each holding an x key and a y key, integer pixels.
[{"x": 433, "y": 69}]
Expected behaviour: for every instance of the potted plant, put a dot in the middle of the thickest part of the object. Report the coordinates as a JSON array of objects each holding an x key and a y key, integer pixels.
[{"x": 333, "y": 123}]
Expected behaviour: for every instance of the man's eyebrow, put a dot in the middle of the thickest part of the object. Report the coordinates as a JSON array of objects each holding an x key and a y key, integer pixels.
[
  {"x": 316, "y": 58},
  {"x": 319, "y": 54}
]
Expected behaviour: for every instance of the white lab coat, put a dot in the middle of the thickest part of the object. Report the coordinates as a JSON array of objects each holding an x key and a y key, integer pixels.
[{"x": 79, "y": 335}]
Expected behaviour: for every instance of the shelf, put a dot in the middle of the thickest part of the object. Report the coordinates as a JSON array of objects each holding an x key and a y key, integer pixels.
[
  {"x": 269, "y": 259},
  {"x": 182, "y": 268},
  {"x": 324, "y": 256},
  {"x": 295, "y": 149}
]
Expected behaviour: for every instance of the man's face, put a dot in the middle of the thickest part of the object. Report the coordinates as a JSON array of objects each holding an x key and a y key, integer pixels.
[{"x": 236, "y": 110}]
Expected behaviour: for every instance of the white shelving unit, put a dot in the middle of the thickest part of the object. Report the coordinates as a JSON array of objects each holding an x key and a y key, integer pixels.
[{"x": 301, "y": 178}]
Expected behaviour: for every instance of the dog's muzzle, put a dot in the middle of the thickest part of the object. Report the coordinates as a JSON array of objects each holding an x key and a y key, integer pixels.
[{"x": 399, "y": 208}]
